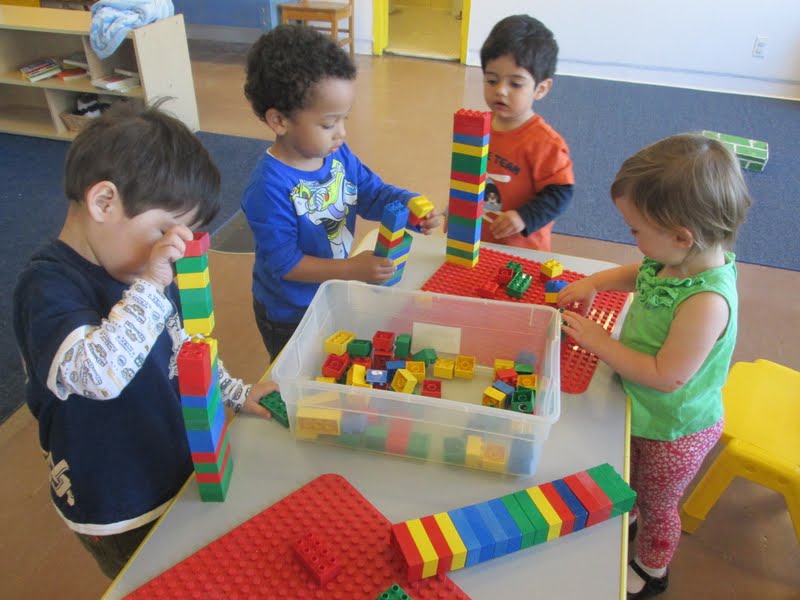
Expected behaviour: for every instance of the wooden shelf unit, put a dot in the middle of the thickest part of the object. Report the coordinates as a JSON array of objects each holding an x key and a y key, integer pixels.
[{"x": 158, "y": 52}]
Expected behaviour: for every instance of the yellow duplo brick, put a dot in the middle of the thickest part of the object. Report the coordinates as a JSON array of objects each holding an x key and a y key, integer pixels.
[
  {"x": 398, "y": 262},
  {"x": 495, "y": 457},
  {"x": 493, "y": 397},
  {"x": 326, "y": 379},
  {"x": 443, "y": 368},
  {"x": 458, "y": 260},
  {"x": 430, "y": 560},
  {"x": 212, "y": 345},
  {"x": 470, "y": 150},
  {"x": 459, "y": 245},
  {"x": 464, "y": 186},
  {"x": 417, "y": 368},
  {"x": 453, "y": 539},
  {"x": 188, "y": 281},
  {"x": 474, "y": 457},
  {"x": 551, "y": 297},
  {"x": 420, "y": 206},
  {"x": 391, "y": 235},
  {"x": 465, "y": 367},
  {"x": 527, "y": 381},
  {"x": 404, "y": 381},
  {"x": 552, "y": 268},
  {"x": 202, "y": 327},
  {"x": 318, "y": 421},
  {"x": 502, "y": 363},
  {"x": 337, "y": 342},
  {"x": 357, "y": 374},
  {"x": 548, "y": 512}
]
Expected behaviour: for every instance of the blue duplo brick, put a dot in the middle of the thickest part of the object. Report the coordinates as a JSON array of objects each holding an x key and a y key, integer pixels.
[
  {"x": 513, "y": 532},
  {"x": 482, "y": 532},
  {"x": 573, "y": 503},
  {"x": 495, "y": 529},
  {"x": 468, "y": 536}
]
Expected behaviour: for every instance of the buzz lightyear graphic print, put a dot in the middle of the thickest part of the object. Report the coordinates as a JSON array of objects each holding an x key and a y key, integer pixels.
[{"x": 327, "y": 203}]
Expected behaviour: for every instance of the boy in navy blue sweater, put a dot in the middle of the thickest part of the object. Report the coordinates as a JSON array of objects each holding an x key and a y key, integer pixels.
[{"x": 96, "y": 320}]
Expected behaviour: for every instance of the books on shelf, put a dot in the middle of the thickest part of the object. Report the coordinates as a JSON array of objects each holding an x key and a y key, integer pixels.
[
  {"x": 43, "y": 68},
  {"x": 76, "y": 59},
  {"x": 116, "y": 81},
  {"x": 70, "y": 74}
]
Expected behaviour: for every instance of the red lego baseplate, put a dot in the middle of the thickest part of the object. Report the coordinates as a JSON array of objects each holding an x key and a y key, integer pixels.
[
  {"x": 257, "y": 559},
  {"x": 577, "y": 365}
]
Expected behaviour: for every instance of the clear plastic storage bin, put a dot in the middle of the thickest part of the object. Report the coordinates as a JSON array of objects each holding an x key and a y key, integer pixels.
[{"x": 454, "y": 429}]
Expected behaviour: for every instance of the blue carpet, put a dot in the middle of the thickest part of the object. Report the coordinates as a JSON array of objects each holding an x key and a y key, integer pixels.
[{"x": 32, "y": 209}]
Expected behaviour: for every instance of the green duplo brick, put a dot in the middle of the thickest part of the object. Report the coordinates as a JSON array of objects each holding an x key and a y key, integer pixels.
[
  {"x": 522, "y": 521},
  {"x": 534, "y": 515},
  {"x": 351, "y": 440},
  {"x": 359, "y": 348},
  {"x": 470, "y": 165},
  {"x": 196, "y": 303},
  {"x": 455, "y": 450},
  {"x": 274, "y": 403},
  {"x": 463, "y": 253},
  {"x": 375, "y": 437},
  {"x": 200, "y": 419},
  {"x": 620, "y": 493},
  {"x": 192, "y": 264},
  {"x": 523, "y": 368},
  {"x": 216, "y": 492},
  {"x": 419, "y": 444},
  {"x": 402, "y": 345},
  {"x": 467, "y": 222}
]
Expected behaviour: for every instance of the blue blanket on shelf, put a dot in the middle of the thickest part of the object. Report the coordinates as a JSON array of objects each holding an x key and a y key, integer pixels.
[{"x": 113, "y": 19}]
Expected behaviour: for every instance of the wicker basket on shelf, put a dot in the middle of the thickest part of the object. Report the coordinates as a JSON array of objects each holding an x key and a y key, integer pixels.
[{"x": 73, "y": 122}]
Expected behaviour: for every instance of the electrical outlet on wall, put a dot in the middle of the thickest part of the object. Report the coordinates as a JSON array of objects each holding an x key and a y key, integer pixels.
[{"x": 760, "y": 46}]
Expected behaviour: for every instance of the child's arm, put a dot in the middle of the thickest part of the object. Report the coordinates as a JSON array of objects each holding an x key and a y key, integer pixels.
[
  {"x": 698, "y": 323},
  {"x": 583, "y": 291},
  {"x": 543, "y": 208},
  {"x": 364, "y": 266},
  {"x": 243, "y": 397}
]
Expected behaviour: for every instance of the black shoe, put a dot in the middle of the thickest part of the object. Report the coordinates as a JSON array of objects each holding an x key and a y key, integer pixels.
[
  {"x": 653, "y": 586},
  {"x": 633, "y": 527}
]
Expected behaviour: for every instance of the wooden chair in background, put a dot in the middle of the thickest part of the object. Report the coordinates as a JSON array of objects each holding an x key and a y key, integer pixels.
[{"x": 323, "y": 16}]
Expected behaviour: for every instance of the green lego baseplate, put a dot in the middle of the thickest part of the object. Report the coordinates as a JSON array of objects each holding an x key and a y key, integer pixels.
[
  {"x": 752, "y": 154},
  {"x": 276, "y": 407}
]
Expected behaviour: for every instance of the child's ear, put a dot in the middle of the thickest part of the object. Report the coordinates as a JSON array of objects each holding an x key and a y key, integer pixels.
[
  {"x": 103, "y": 202},
  {"x": 275, "y": 120},
  {"x": 542, "y": 88},
  {"x": 684, "y": 238}
]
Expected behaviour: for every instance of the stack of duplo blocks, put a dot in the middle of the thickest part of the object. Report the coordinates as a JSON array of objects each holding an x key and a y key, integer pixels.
[
  {"x": 467, "y": 184},
  {"x": 198, "y": 376},
  {"x": 394, "y": 241},
  {"x": 466, "y": 536}
]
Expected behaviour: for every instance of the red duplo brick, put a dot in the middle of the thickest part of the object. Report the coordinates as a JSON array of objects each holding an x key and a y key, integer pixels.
[
  {"x": 594, "y": 499},
  {"x": 565, "y": 514},
  {"x": 467, "y": 177},
  {"x": 383, "y": 341},
  {"x": 459, "y": 207},
  {"x": 194, "y": 369},
  {"x": 199, "y": 245},
  {"x": 439, "y": 543},
  {"x": 335, "y": 365},
  {"x": 472, "y": 122},
  {"x": 256, "y": 560},
  {"x": 317, "y": 557}
]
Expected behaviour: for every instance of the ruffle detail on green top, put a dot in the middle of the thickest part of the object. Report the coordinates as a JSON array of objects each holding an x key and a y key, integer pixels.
[{"x": 656, "y": 291}]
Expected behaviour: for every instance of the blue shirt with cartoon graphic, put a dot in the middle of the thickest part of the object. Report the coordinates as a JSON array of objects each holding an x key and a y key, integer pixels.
[{"x": 294, "y": 213}]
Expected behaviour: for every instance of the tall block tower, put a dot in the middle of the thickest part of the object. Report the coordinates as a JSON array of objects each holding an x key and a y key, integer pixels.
[
  {"x": 467, "y": 185},
  {"x": 198, "y": 376}
]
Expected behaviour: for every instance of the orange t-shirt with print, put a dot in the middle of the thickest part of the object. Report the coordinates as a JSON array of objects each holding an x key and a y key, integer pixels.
[{"x": 521, "y": 163}]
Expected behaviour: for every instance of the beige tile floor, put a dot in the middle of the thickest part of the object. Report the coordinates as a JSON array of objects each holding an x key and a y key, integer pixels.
[{"x": 746, "y": 548}]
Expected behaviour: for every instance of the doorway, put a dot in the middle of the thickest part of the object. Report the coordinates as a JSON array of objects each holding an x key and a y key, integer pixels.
[{"x": 424, "y": 28}]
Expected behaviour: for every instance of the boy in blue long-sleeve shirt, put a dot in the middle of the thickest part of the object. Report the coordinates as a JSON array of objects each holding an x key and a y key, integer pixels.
[{"x": 305, "y": 192}]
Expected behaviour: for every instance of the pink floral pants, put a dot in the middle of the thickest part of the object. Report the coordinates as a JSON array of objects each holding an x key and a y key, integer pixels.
[{"x": 660, "y": 473}]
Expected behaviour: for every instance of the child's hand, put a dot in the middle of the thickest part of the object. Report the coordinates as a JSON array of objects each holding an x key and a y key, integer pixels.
[
  {"x": 370, "y": 268},
  {"x": 506, "y": 224},
  {"x": 258, "y": 391},
  {"x": 581, "y": 293},
  {"x": 587, "y": 334},
  {"x": 164, "y": 252},
  {"x": 433, "y": 219}
]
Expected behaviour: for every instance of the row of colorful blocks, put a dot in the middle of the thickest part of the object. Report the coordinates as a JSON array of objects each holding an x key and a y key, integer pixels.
[{"x": 466, "y": 536}]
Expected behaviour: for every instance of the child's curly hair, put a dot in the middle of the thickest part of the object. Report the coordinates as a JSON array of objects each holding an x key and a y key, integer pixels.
[{"x": 284, "y": 65}]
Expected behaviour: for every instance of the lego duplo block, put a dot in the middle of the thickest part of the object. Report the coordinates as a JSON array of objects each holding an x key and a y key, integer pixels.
[
  {"x": 547, "y": 511},
  {"x": 439, "y": 543},
  {"x": 454, "y": 450},
  {"x": 495, "y": 457},
  {"x": 465, "y": 367},
  {"x": 376, "y": 376},
  {"x": 505, "y": 275},
  {"x": 317, "y": 556},
  {"x": 217, "y": 492},
  {"x": 443, "y": 368},
  {"x": 461, "y": 262},
  {"x": 458, "y": 550},
  {"x": 591, "y": 496},
  {"x": 335, "y": 365},
  {"x": 521, "y": 407},
  {"x": 466, "y": 163},
  {"x": 194, "y": 369},
  {"x": 472, "y": 122},
  {"x": 467, "y": 209},
  {"x": 526, "y": 381},
  {"x": 474, "y": 451},
  {"x": 467, "y": 255},
  {"x": 526, "y": 529},
  {"x": 581, "y": 514},
  {"x": 523, "y": 368},
  {"x": 359, "y": 348},
  {"x": 276, "y": 407},
  {"x": 390, "y": 238},
  {"x": 615, "y": 488},
  {"x": 311, "y": 422},
  {"x": 501, "y": 364},
  {"x": 200, "y": 326},
  {"x": 552, "y": 268},
  {"x": 488, "y": 289},
  {"x": 524, "y": 356},
  {"x": 431, "y": 388},
  {"x": 193, "y": 280},
  {"x": 485, "y": 538},
  {"x": 468, "y": 233},
  {"x": 206, "y": 440},
  {"x": 196, "y": 303},
  {"x": 426, "y": 355},
  {"x": 215, "y": 477},
  {"x": 375, "y": 437},
  {"x": 560, "y": 506},
  {"x": 467, "y": 536},
  {"x": 395, "y": 216},
  {"x": 404, "y": 542},
  {"x": 508, "y": 376},
  {"x": 493, "y": 397},
  {"x": 468, "y": 196},
  {"x": 479, "y": 149},
  {"x": 337, "y": 342},
  {"x": 198, "y": 245},
  {"x": 202, "y": 417},
  {"x": 356, "y": 375},
  {"x": 394, "y": 592},
  {"x": 397, "y": 436},
  {"x": 471, "y": 140},
  {"x": 419, "y": 444},
  {"x": 404, "y": 381},
  {"x": 752, "y": 154},
  {"x": 419, "y": 207},
  {"x": 519, "y": 285},
  {"x": 192, "y": 264},
  {"x": 364, "y": 361},
  {"x": 417, "y": 368}
]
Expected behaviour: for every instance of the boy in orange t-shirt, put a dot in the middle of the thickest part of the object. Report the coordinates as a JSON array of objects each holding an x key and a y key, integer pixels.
[{"x": 529, "y": 166}]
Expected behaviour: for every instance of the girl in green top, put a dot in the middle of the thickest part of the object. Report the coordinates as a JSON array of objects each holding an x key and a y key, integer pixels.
[{"x": 684, "y": 199}]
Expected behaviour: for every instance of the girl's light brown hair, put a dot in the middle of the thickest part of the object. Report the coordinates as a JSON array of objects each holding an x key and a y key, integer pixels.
[{"x": 689, "y": 181}]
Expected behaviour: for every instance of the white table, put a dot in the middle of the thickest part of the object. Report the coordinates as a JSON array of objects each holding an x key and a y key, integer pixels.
[{"x": 269, "y": 465}]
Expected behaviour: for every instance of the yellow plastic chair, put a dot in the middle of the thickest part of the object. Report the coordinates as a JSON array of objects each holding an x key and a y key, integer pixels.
[{"x": 761, "y": 439}]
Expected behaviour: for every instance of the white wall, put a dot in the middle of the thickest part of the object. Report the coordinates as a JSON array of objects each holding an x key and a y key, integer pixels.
[{"x": 704, "y": 44}]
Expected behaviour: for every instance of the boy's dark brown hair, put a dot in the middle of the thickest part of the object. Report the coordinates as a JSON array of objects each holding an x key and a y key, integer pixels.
[
  {"x": 528, "y": 40},
  {"x": 152, "y": 158}
]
